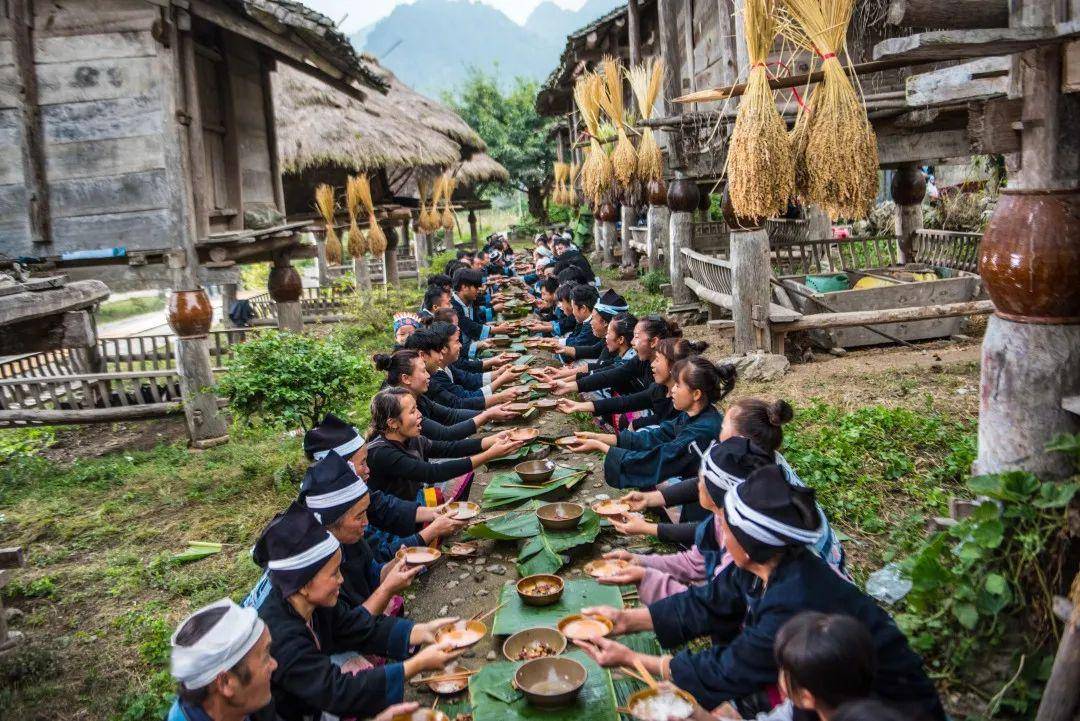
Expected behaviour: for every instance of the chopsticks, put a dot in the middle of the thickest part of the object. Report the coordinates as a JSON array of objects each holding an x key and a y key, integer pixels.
[
  {"x": 645, "y": 672},
  {"x": 453, "y": 676},
  {"x": 485, "y": 615},
  {"x": 625, "y": 671}
]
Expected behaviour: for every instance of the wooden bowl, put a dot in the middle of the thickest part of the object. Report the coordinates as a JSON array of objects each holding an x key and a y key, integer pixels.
[
  {"x": 519, "y": 368},
  {"x": 560, "y": 516},
  {"x": 518, "y": 407},
  {"x": 531, "y": 593},
  {"x": 500, "y": 341},
  {"x": 451, "y": 686},
  {"x": 462, "y": 634},
  {"x": 566, "y": 441},
  {"x": 513, "y": 355},
  {"x": 462, "y": 510},
  {"x": 535, "y": 473},
  {"x": 605, "y": 567},
  {"x": 533, "y": 679},
  {"x": 461, "y": 549},
  {"x": 545, "y": 404},
  {"x": 646, "y": 693},
  {"x": 585, "y": 628},
  {"x": 524, "y": 434},
  {"x": 543, "y": 386},
  {"x": 422, "y": 714},
  {"x": 611, "y": 507},
  {"x": 531, "y": 637},
  {"x": 420, "y": 555}
]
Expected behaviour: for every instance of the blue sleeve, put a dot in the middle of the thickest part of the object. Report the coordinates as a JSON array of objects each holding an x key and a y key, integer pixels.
[
  {"x": 647, "y": 437},
  {"x": 398, "y": 647},
  {"x": 391, "y": 514},
  {"x": 652, "y": 460},
  {"x": 395, "y": 683}
]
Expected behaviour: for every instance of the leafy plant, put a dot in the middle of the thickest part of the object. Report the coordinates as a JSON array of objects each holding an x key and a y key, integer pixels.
[
  {"x": 541, "y": 549},
  {"x": 292, "y": 380},
  {"x": 654, "y": 279},
  {"x": 1003, "y": 562}
]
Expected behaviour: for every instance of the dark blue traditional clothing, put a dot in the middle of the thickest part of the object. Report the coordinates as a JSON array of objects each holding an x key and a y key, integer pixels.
[
  {"x": 443, "y": 390},
  {"x": 743, "y": 617},
  {"x": 642, "y": 459},
  {"x": 403, "y": 469}
]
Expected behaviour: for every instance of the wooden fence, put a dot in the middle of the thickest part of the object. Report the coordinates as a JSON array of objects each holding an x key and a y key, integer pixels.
[
  {"x": 811, "y": 257},
  {"x": 948, "y": 249}
]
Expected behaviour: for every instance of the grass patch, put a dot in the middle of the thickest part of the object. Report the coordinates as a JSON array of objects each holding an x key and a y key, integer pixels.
[{"x": 113, "y": 310}]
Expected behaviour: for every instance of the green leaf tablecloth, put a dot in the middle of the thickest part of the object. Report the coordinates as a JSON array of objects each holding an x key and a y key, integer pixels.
[
  {"x": 578, "y": 594},
  {"x": 490, "y": 692},
  {"x": 505, "y": 488}
]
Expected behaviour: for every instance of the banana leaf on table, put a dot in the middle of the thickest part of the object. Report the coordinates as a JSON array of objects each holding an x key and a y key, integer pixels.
[
  {"x": 643, "y": 642},
  {"x": 577, "y": 594},
  {"x": 541, "y": 553},
  {"x": 488, "y": 691},
  {"x": 506, "y": 488},
  {"x": 510, "y": 526}
]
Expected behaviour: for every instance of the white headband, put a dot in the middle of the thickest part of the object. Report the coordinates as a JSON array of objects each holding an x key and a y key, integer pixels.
[
  {"x": 716, "y": 475},
  {"x": 221, "y": 648},
  {"x": 763, "y": 528},
  {"x": 610, "y": 309},
  {"x": 338, "y": 497},
  {"x": 316, "y": 553},
  {"x": 345, "y": 450}
]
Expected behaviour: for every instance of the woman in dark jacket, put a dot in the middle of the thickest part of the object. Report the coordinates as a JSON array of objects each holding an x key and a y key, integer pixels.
[
  {"x": 767, "y": 524},
  {"x": 398, "y": 454},
  {"x": 309, "y": 621}
]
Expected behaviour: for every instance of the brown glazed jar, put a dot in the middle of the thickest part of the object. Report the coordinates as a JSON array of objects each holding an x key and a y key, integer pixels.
[
  {"x": 189, "y": 313},
  {"x": 737, "y": 222},
  {"x": 284, "y": 284},
  {"x": 908, "y": 185},
  {"x": 607, "y": 213},
  {"x": 657, "y": 192},
  {"x": 1029, "y": 257},
  {"x": 683, "y": 196}
]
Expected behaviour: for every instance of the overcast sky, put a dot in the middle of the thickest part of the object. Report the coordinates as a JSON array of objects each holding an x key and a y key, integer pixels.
[{"x": 365, "y": 12}]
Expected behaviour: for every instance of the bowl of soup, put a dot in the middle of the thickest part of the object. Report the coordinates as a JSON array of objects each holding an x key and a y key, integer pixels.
[
  {"x": 462, "y": 633},
  {"x": 550, "y": 682},
  {"x": 541, "y": 589},
  {"x": 420, "y": 555},
  {"x": 561, "y": 516},
  {"x": 580, "y": 627},
  {"x": 535, "y": 473}
]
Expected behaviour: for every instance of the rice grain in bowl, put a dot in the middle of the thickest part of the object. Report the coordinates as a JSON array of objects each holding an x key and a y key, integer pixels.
[
  {"x": 453, "y": 685},
  {"x": 666, "y": 703},
  {"x": 606, "y": 567}
]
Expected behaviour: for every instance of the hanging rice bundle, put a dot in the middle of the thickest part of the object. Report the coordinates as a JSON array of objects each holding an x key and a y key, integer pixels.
[
  {"x": 596, "y": 171},
  {"x": 798, "y": 136},
  {"x": 357, "y": 244},
  {"x": 571, "y": 184},
  {"x": 324, "y": 201},
  {"x": 760, "y": 166},
  {"x": 841, "y": 150},
  {"x": 624, "y": 157},
  {"x": 376, "y": 239},
  {"x": 645, "y": 82},
  {"x": 559, "y": 193},
  {"x": 448, "y": 191},
  {"x": 424, "y": 219}
]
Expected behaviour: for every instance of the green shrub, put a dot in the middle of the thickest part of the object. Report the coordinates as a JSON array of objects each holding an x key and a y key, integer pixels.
[
  {"x": 438, "y": 262},
  {"x": 654, "y": 279},
  {"x": 284, "y": 379}
]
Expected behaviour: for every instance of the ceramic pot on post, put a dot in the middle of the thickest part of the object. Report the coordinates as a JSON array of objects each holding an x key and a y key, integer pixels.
[
  {"x": 284, "y": 284},
  {"x": 1029, "y": 258},
  {"x": 189, "y": 313}
]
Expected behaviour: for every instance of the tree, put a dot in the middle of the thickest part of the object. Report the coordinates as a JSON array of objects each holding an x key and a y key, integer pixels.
[{"x": 515, "y": 134}]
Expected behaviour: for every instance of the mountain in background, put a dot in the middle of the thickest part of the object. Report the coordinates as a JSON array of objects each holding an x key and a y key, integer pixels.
[{"x": 431, "y": 44}]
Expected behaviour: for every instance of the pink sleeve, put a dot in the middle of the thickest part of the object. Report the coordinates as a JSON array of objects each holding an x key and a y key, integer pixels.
[{"x": 686, "y": 566}]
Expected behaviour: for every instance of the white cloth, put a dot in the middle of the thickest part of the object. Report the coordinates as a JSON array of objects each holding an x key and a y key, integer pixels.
[{"x": 221, "y": 648}]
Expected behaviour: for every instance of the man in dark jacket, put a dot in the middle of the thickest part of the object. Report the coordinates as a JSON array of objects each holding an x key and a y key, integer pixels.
[
  {"x": 467, "y": 285},
  {"x": 566, "y": 255}
]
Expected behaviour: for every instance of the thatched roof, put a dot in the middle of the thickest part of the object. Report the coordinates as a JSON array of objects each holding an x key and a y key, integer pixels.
[
  {"x": 480, "y": 168},
  {"x": 431, "y": 113},
  {"x": 318, "y": 125}
]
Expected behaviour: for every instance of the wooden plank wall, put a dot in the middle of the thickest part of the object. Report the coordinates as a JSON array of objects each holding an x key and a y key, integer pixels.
[
  {"x": 246, "y": 77},
  {"x": 101, "y": 93}
]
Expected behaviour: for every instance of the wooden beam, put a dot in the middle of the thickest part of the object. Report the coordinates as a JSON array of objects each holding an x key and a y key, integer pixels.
[
  {"x": 21, "y": 307},
  {"x": 952, "y": 15},
  {"x": 73, "y": 329},
  {"x": 33, "y": 144},
  {"x": 268, "y": 64},
  {"x": 26, "y": 416},
  {"x": 897, "y": 149},
  {"x": 848, "y": 319},
  {"x": 979, "y": 79},
  {"x": 670, "y": 49},
  {"x": 200, "y": 186},
  {"x": 992, "y": 126},
  {"x": 944, "y": 45}
]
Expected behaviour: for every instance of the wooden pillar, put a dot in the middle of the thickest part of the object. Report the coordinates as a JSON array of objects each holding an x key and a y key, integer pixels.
[
  {"x": 362, "y": 273},
  {"x": 609, "y": 233},
  {"x": 419, "y": 252},
  {"x": 633, "y": 32},
  {"x": 680, "y": 232},
  {"x": 671, "y": 50},
  {"x": 88, "y": 357},
  {"x": 729, "y": 59},
  {"x": 320, "y": 259},
  {"x": 741, "y": 54},
  {"x": 818, "y": 223},
  {"x": 286, "y": 289},
  {"x": 907, "y": 188},
  {"x": 750, "y": 289},
  {"x": 1029, "y": 258},
  {"x": 33, "y": 146},
  {"x": 474, "y": 229},
  {"x": 656, "y": 236},
  {"x": 394, "y": 237},
  {"x": 627, "y": 219},
  {"x": 448, "y": 238},
  {"x": 228, "y": 297},
  {"x": 196, "y": 147},
  {"x": 690, "y": 80}
]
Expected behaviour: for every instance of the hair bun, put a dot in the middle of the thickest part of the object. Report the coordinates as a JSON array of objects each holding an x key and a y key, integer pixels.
[
  {"x": 728, "y": 372},
  {"x": 674, "y": 331},
  {"x": 382, "y": 361},
  {"x": 780, "y": 412},
  {"x": 697, "y": 346}
]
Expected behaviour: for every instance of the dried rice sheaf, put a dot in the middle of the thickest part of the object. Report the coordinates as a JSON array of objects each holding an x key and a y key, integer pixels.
[
  {"x": 623, "y": 157},
  {"x": 645, "y": 82},
  {"x": 841, "y": 159},
  {"x": 596, "y": 170},
  {"x": 760, "y": 165},
  {"x": 353, "y": 200},
  {"x": 324, "y": 201}
]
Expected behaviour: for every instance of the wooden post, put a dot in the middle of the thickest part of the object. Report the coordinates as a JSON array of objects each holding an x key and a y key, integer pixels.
[
  {"x": 609, "y": 233},
  {"x": 680, "y": 234},
  {"x": 320, "y": 259},
  {"x": 206, "y": 424},
  {"x": 362, "y": 273},
  {"x": 671, "y": 50},
  {"x": 286, "y": 289},
  {"x": 33, "y": 148},
  {"x": 633, "y": 32},
  {"x": 474, "y": 229},
  {"x": 741, "y": 53},
  {"x": 627, "y": 219},
  {"x": 725, "y": 25},
  {"x": 394, "y": 238},
  {"x": 690, "y": 81},
  {"x": 1061, "y": 697},
  {"x": 196, "y": 147},
  {"x": 907, "y": 188},
  {"x": 228, "y": 297},
  {"x": 656, "y": 236},
  {"x": 750, "y": 289},
  {"x": 818, "y": 224},
  {"x": 1031, "y": 359},
  {"x": 419, "y": 252}
]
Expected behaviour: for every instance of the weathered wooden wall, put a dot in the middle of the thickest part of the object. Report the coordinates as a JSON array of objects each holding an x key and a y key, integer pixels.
[{"x": 100, "y": 91}]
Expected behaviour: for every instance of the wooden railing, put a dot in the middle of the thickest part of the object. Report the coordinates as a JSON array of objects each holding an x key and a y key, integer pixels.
[
  {"x": 783, "y": 230},
  {"x": 831, "y": 255},
  {"x": 709, "y": 271},
  {"x": 712, "y": 238},
  {"x": 313, "y": 301},
  {"x": 948, "y": 249}
]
